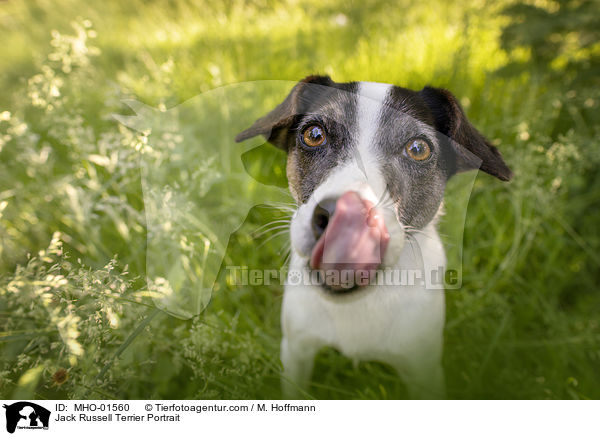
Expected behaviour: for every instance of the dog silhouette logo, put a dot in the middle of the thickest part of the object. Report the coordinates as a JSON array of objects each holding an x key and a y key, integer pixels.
[{"x": 26, "y": 415}]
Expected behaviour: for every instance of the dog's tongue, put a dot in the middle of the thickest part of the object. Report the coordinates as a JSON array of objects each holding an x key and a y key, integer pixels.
[{"x": 353, "y": 243}]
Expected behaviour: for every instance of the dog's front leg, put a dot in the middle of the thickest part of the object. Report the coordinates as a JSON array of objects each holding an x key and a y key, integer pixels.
[{"x": 298, "y": 364}]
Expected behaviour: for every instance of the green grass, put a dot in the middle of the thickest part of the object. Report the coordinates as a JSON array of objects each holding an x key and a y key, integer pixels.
[{"x": 73, "y": 214}]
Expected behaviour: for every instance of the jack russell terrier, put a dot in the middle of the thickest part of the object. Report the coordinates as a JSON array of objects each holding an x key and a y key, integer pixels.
[{"x": 367, "y": 165}]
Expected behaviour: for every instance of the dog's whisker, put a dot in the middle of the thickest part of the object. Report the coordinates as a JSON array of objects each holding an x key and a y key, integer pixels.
[
  {"x": 290, "y": 207},
  {"x": 269, "y": 224},
  {"x": 285, "y": 248},
  {"x": 386, "y": 201},
  {"x": 273, "y": 236},
  {"x": 285, "y": 210},
  {"x": 286, "y": 259},
  {"x": 383, "y": 198},
  {"x": 278, "y": 221},
  {"x": 271, "y": 229},
  {"x": 266, "y": 232},
  {"x": 288, "y": 254},
  {"x": 412, "y": 231},
  {"x": 412, "y": 247}
]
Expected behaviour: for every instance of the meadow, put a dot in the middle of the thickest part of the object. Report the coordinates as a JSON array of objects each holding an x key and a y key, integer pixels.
[{"x": 78, "y": 319}]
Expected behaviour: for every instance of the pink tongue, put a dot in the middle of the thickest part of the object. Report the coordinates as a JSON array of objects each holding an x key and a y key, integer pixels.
[{"x": 353, "y": 244}]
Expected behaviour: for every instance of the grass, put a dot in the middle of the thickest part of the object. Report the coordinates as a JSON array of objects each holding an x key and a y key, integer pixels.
[{"x": 77, "y": 236}]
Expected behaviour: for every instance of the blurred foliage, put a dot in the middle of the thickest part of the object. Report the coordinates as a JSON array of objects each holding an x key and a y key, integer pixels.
[
  {"x": 562, "y": 37},
  {"x": 558, "y": 42},
  {"x": 76, "y": 317}
]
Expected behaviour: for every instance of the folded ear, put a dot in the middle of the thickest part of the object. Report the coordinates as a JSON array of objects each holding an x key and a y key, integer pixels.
[
  {"x": 275, "y": 124},
  {"x": 470, "y": 145}
]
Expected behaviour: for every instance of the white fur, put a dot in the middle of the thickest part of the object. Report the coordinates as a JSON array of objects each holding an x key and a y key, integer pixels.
[{"x": 401, "y": 325}]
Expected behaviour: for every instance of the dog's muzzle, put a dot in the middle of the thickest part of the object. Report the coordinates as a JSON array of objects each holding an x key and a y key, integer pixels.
[{"x": 351, "y": 241}]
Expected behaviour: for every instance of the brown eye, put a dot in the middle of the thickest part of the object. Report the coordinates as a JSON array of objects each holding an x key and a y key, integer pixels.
[
  {"x": 313, "y": 136},
  {"x": 417, "y": 149}
]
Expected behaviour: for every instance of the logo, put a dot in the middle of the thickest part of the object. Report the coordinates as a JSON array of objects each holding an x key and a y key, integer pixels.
[{"x": 26, "y": 415}]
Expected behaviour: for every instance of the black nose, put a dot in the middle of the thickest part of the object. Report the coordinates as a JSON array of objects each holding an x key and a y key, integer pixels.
[{"x": 323, "y": 211}]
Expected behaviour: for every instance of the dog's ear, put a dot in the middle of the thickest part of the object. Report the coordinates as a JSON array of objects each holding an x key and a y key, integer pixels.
[
  {"x": 275, "y": 124},
  {"x": 450, "y": 120}
]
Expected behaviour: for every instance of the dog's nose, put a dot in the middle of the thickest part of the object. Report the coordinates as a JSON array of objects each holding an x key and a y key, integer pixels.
[{"x": 323, "y": 211}]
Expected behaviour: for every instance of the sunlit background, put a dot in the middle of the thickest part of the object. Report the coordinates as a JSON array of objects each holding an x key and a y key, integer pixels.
[{"x": 77, "y": 319}]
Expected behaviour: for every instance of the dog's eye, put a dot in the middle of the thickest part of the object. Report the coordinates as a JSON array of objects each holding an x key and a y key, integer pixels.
[
  {"x": 417, "y": 149},
  {"x": 313, "y": 136}
]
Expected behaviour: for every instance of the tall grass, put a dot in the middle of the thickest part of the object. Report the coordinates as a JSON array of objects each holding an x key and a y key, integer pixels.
[{"x": 76, "y": 316}]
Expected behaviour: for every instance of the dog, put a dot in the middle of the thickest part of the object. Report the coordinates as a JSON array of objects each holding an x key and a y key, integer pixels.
[{"x": 367, "y": 164}]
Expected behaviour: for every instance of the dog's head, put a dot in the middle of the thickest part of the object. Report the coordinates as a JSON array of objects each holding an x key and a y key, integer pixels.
[{"x": 367, "y": 161}]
